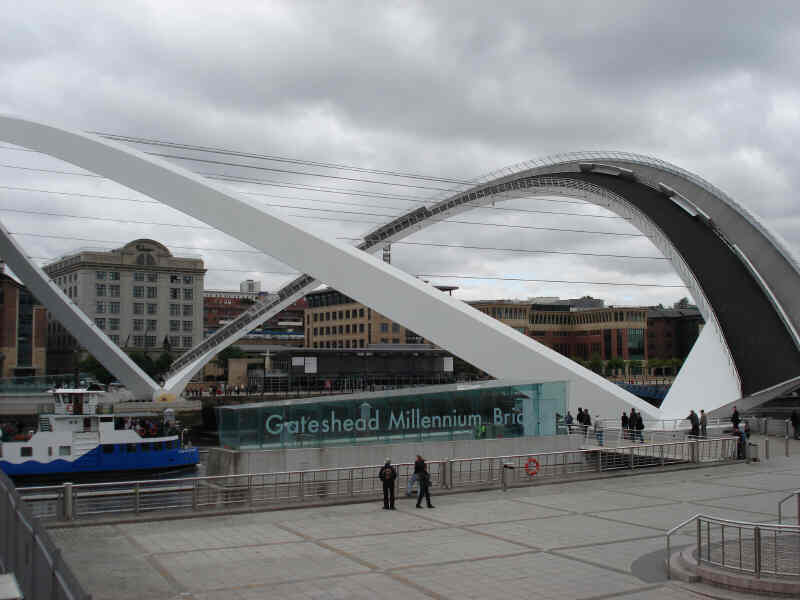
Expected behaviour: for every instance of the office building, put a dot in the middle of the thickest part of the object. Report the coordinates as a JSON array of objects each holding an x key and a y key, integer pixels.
[
  {"x": 23, "y": 330},
  {"x": 140, "y": 295}
]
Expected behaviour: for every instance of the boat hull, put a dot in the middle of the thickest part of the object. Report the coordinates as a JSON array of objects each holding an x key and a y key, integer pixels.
[{"x": 102, "y": 459}]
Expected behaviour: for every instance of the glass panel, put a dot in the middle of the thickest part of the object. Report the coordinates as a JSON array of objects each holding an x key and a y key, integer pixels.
[{"x": 447, "y": 413}]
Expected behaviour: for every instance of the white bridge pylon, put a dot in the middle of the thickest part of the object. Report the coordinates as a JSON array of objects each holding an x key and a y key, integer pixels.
[{"x": 477, "y": 338}]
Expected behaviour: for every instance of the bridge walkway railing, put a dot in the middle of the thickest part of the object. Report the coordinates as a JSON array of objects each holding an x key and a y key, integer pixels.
[{"x": 252, "y": 491}]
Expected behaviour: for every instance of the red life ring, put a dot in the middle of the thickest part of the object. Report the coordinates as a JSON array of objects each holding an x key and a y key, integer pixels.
[{"x": 532, "y": 466}]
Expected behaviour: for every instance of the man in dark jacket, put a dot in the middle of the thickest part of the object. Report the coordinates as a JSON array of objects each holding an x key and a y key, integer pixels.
[
  {"x": 735, "y": 419},
  {"x": 387, "y": 475},
  {"x": 795, "y": 418},
  {"x": 424, "y": 479},
  {"x": 695, "y": 423}
]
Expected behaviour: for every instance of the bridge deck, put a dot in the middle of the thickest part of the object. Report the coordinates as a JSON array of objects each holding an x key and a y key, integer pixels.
[{"x": 575, "y": 540}]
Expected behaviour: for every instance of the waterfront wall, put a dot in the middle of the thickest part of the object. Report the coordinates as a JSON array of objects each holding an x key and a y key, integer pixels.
[{"x": 222, "y": 461}]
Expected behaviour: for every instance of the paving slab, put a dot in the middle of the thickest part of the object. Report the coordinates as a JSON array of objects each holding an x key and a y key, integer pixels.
[
  {"x": 593, "y": 539},
  {"x": 261, "y": 565},
  {"x": 355, "y": 587},
  {"x": 664, "y": 517},
  {"x": 561, "y": 532},
  {"x": 420, "y": 548},
  {"x": 535, "y": 576}
]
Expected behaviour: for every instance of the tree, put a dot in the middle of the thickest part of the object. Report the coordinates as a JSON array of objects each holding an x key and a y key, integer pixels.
[
  {"x": 615, "y": 364},
  {"x": 92, "y": 366},
  {"x": 596, "y": 363},
  {"x": 163, "y": 363},
  {"x": 145, "y": 363}
]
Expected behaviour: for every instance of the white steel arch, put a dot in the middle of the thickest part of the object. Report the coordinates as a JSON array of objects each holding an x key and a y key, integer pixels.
[
  {"x": 767, "y": 259},
  {"x": 477, "y": 338}
]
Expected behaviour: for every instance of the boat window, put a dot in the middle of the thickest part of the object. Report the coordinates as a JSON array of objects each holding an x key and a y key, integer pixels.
[
  {"x": 49, "y": 451},
  {"x": 145, "y": 447},
  {"x": 64, "y": 450},
  {"x": 156, "y": 445},
  {"x": 106, "y": 419},
  {"x": 26, "y": 451},
  {"x": 131, "y": 447},
  {"x": 167, "y": 445},
  {"x": 108, "y": 448}
]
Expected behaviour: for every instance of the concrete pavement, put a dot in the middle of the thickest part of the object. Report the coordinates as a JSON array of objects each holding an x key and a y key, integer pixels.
[{"x": 590, "y": 540}]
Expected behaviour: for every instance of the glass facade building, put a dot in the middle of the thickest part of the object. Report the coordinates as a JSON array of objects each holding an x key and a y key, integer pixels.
[{"x": 494, "y": 409}]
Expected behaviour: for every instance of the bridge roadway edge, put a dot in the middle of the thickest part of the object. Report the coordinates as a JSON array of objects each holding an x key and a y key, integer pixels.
[{"x": 155, "y": 516}]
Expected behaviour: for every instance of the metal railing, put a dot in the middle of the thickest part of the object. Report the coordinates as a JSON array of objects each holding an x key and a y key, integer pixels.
[
  {"x": 794, "y": 494},
  {"x": 27, "y": 551},
  {"x": 230, "y": 492},
  {"x": 752, "y": 548}
]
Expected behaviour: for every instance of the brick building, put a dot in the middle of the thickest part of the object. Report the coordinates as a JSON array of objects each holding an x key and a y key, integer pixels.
[
  {"x": 23, "y": 330},
  {"x": 671, "y": 332}
]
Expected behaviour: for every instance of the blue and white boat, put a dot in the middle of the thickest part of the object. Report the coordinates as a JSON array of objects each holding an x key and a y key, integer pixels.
[{"x": 79, "y": 438}]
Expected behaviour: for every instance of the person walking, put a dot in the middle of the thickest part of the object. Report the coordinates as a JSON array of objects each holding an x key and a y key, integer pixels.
[
  {"x": 624, "y": 422},
  {"x": 388, "y": 475},
  {"x": 639, "y": 426},
  {"x": 424, "y": 479},
  {"x": 419, "y": 466},
  {"x": 795, "y": 419},
  {"x": 695, "y": 423},
  {"x": 568, "y": 421},
  {"x": 735, "y": 419},
  {"x": 598, "y": 430},
  {"x": 703, "y": 424}
]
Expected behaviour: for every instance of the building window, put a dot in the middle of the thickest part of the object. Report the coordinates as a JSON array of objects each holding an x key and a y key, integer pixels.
[
  {"x": 315, "y": 317},
  {"x": 100, "y": 275},
  {"x": 152, "y": 308},
  {"x": 101, "y": 323},
  {"x": 360, "y": 328},
  {"x": 100, "y": 307},
  {"x": 327, "y": 331},
  {"x": 114, "y": 338},
  {"x": 188, "y": 280},
  {"x": 138, "y": 276},
  {"x": 138, "y": 341},
  {"x": 114, "y": 291},
  {"x": 64, "y": 450},
  {"x": 174, "y": 310},
  {"x": 145, "y": 259},
  {"x": 395, "y": 328},
  {"x": 174, "y": 325},
  {"x": 152, "y": 324},
  {"x": 138, "y": 308},
  {"x": 187, "y": 341},
  {"x": 327, "y": 316},
  {"x": 347, "y": 328},
  {"x": 347, "y": 314},
  {"x": 100, "y": 289},
  {"x": 395, "y": 340},
  {"x": 150, "y": 341},
  {"x": 113, "y": 275},
  {"x": 138, "y": 324},
  {"x": 384, "y": 328},
  {"x": 187, "y": 325},
  {"x": 175, "y": 341},
  {"x": 188, "y": 310},
  {"x": 173, "y": 278},
  {"x": 113, "y": 324},
  {"x": 333, "y": 315},
  {"x": 152, "y": 277},
  {"x": 138, "y": 291},
  {"x": 636, "y": 344},
  {"x": 188, "y": 293},
  {"x": 360, "y": 312},
  {"x": 174, "y": 293},
  {"x": 113, "y": 308},
  {"x": 152, "y": 292}
]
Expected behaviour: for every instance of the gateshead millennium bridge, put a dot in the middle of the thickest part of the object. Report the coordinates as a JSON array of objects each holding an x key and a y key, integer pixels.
[{"x": 743, "y": 279}]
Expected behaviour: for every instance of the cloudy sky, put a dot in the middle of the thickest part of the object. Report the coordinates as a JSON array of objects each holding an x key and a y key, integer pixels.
[{"x": 447, "y": 90}]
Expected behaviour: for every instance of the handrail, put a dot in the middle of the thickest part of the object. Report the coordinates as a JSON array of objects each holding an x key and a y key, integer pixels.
[
  {"x": 780, "y": 506},
  {"x": 757, "y": 528},
  {"x": 669, "y": 534}
]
